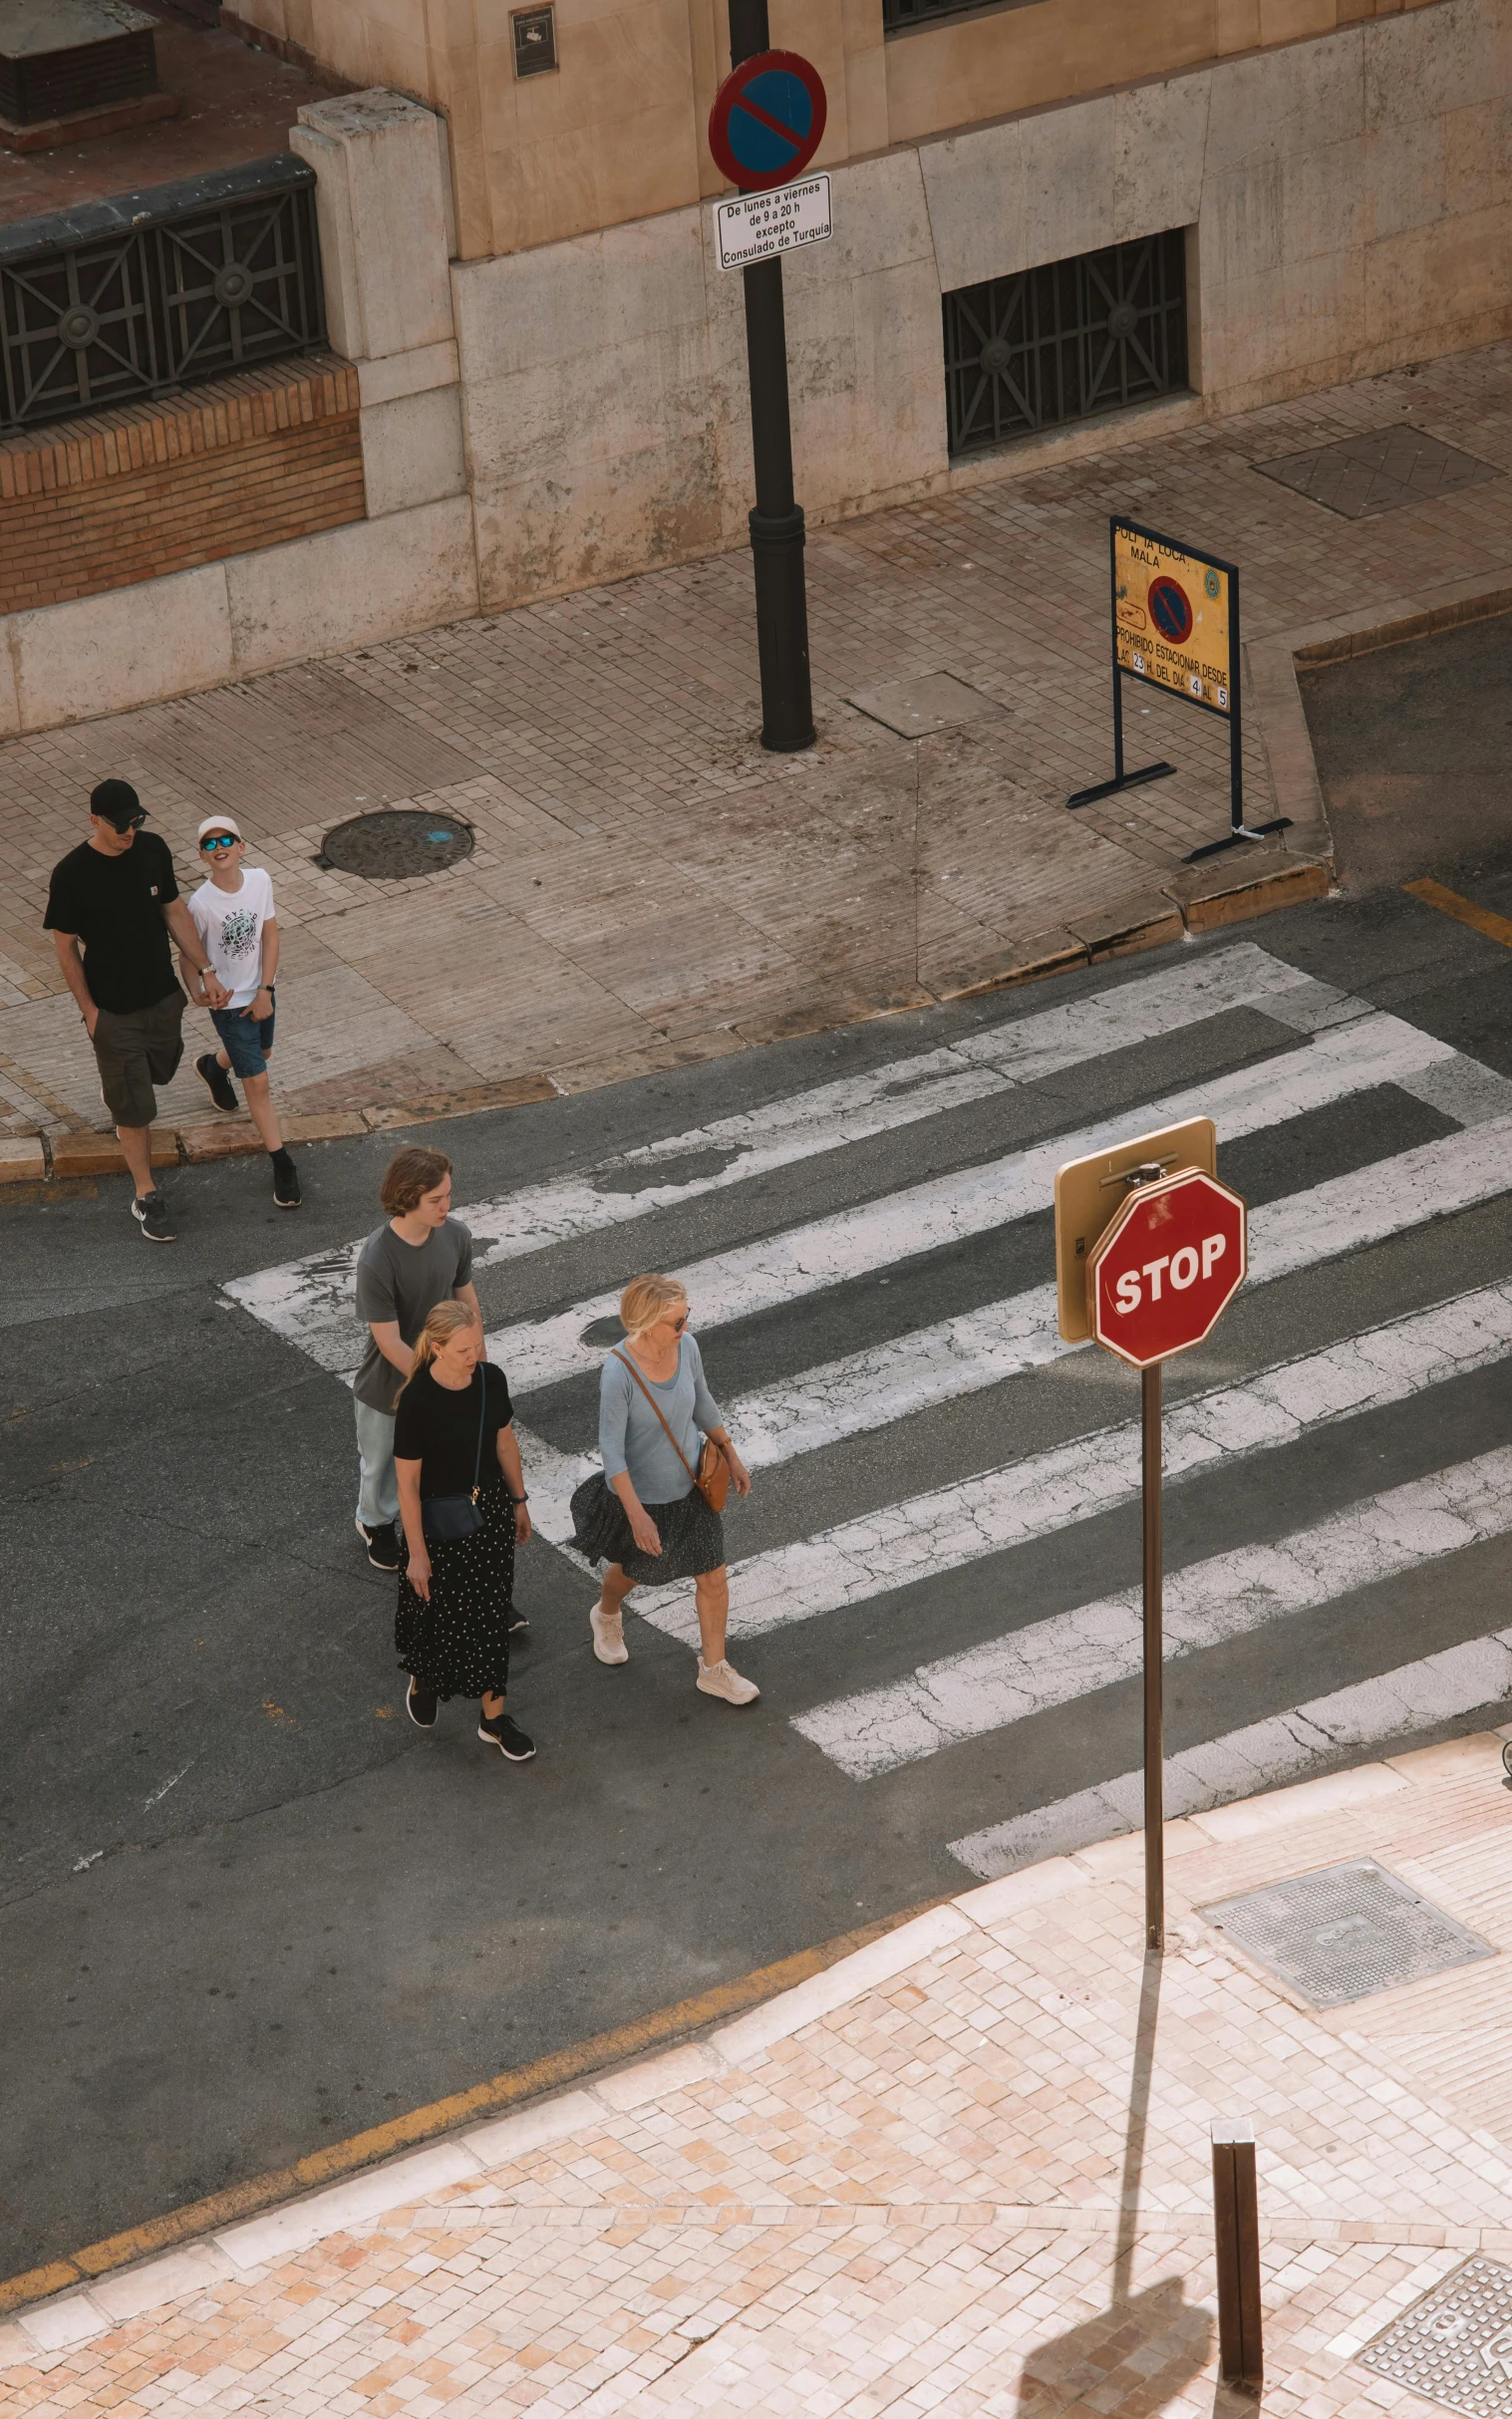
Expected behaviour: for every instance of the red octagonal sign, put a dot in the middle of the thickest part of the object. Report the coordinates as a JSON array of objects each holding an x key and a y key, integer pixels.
[{"x": 1165, "y": 1270}]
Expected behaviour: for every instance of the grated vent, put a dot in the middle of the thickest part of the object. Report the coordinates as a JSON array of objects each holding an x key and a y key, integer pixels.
[
  {"x": 1454, "y": 2346},
  {"x": 1346, "y": 1932}
]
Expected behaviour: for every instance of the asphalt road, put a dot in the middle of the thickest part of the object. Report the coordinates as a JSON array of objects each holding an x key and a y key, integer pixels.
[{"x": 248, "y": 1909}]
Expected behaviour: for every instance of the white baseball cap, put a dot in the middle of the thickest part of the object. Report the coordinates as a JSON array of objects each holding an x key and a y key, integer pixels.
[{"x": 219, "y": 823}]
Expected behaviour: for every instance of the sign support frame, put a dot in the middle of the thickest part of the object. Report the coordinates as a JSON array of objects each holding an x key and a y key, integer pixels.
[
  {"x": 776, "y": 521},
  {"x": 1239, "y": 830}
]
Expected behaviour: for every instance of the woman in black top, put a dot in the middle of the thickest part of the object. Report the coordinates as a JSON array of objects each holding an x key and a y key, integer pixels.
[{"x": 451, "y": 1435}]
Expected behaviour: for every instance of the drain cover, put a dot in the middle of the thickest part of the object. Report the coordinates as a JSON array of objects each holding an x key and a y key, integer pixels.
[
  {"x": 1454, "y": 2346},
  {"x": 915, "y": 708},
  {"x": 1346, "y": 1931},
  {"x": 1378, "y": 471},
  {"x": 394, "y": 846}
]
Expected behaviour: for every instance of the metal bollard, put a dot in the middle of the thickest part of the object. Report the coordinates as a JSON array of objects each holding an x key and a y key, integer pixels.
[{"x": 1236, "y": 2234}]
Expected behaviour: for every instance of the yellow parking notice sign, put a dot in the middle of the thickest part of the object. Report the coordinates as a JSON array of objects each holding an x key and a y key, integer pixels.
[
  {"x": 1177, "y": 625},
  {"x": 1172, "y": 617}
]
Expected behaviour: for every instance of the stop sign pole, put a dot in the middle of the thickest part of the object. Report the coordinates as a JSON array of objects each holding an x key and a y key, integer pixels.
[
  {"x": 1162, "y": 1260},
  {"x": 777, "y": 523}
]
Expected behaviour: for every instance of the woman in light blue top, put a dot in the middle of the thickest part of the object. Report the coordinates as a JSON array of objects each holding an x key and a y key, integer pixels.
[{"x": 645, "y": 1516}]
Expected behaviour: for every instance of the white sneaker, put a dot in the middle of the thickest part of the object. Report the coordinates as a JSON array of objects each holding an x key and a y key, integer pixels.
[
  {"x": 721, "y": 1679},
  {"x": 608, "y": 1635}
]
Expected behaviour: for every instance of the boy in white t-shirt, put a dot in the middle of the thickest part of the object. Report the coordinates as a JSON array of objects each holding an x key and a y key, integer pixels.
[{"x": 233, "y": 915}]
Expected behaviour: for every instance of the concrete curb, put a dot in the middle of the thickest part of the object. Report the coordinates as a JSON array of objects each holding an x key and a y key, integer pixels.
[
  {"x": 1189, "y": 902},
  {"x": 254, "y": 2226},
  {"x": 524, "y": 2090}
]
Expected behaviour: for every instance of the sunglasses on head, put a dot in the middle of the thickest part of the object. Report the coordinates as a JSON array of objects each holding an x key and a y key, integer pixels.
[{"x": 218, "y": 839}]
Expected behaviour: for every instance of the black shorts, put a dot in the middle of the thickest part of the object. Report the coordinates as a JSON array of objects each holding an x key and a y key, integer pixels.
[{"x": 135, "y": 1049}]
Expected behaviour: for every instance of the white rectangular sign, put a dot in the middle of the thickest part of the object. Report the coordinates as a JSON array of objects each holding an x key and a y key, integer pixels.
[{"x": 760, "y": 225}]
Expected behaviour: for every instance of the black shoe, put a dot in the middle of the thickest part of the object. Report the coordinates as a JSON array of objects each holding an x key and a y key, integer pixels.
[
  {"x": 420, "y": 1704},
  {"x": 213, "y": 1073},
  {"x": 516, "y": 1621},
  {"x": 151, "y": 1212},
  {"x": 286, "y": 1190},
  {"x": 382, "y": 1545},
  {"x": 500, "y": 1733}
]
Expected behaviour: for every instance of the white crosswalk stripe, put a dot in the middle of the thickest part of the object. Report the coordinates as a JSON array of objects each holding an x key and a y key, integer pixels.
[
  {"x": 1053, "y": 1660},
  {"x": 783, "y": 1268},
  {"x": 310, "y": 1299},
  {"x": 795, "y": 1583},
  {"x": 1340, "y": 1048},
  {"x": 1285, "y": 1747}
]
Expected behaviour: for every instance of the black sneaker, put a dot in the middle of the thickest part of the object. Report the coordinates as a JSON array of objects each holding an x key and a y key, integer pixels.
[
  {"x": 213, "y": 1074},
  {"x": 286, "y": 1190},
  {"x": 382, "y": 1545},
  {"x": 420, "y": 1704},
  {"x": 151, "y": 1212},
  {"x": 500, "y": 1733},
  {"x": 516, "y": 1621}
]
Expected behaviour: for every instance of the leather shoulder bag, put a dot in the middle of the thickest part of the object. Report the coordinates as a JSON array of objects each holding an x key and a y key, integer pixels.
[
  {"x": 448, "y": 1518},
  {"x": 712, "y": 1477}
]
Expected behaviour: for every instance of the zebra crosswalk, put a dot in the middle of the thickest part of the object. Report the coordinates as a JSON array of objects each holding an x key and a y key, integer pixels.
[{"x": 940, "y": 1529}]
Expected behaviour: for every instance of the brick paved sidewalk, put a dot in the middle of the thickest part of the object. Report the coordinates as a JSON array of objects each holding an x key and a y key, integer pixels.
[
  {"x": 648, "y": 888},
  {"x": 965, "y": 2170}
]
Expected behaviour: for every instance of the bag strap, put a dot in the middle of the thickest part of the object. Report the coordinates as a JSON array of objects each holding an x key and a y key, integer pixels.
[
  {"x": 483, "y": 1413},
  {"x": 655, "y": 1407}
]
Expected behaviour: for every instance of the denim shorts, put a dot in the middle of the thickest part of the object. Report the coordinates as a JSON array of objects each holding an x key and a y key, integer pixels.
[{"x": 245, "y": 1040}]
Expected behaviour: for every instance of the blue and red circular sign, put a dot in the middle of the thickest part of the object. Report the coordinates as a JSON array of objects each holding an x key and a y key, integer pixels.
[
  {"x": 768, "y": 121},
  {"x": 1170, "y": 610}
]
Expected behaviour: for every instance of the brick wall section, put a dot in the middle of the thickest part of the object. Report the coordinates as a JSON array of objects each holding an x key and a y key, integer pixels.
[{"x": 120, "y": 497}]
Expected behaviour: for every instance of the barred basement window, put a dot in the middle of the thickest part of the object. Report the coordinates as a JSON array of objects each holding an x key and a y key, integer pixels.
[{"x": 1067, "y": 342}]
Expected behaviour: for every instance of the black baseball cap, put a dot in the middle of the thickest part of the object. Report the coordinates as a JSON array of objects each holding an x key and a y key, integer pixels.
[{"x": 115, "y": 802}]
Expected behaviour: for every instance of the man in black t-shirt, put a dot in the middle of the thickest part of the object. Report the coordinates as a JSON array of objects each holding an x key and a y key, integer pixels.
[{"x": 110, "y": 906}]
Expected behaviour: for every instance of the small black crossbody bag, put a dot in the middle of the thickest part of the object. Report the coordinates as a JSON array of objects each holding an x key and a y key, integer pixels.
[{"x": 449, "y": 1518}]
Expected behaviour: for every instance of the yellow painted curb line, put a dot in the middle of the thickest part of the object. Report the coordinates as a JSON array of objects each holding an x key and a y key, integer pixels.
[
  {"x": 1464, "y": 911},
  {"x": 602, "y": 2049}
]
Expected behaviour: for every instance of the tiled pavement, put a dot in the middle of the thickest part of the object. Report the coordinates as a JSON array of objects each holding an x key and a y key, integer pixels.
[
  {"x": 965, "y": 2171},
  {"x": 648, "y": 887}
]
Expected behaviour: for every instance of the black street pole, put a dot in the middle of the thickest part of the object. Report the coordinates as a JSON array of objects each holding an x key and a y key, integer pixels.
[
  {"x": 777, "y": 523},
  {"x": 1154, "y": 1648}
]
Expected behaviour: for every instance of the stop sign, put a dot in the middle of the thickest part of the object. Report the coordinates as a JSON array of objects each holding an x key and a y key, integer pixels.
[{"x": 1163, "y": 1274}]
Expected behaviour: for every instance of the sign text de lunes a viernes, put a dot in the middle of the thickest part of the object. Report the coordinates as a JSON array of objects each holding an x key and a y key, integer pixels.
[{"x": 760, "y": 224}]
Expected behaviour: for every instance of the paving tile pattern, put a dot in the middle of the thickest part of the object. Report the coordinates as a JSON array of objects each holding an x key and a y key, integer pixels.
[
  {"x": 648, "y": 888},
  {"x": 981, "y": 2186}
]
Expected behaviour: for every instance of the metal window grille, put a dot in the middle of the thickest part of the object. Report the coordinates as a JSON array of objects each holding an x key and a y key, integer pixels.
[
  {"x": 1065, "y": 342},
  {"x": 140, "y": 296}
]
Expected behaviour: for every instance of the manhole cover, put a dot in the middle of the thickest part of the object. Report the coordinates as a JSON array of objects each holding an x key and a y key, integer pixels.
[
  {"x": 1346, "y": 1931},
  {"x": 1454, "y": 2346},
  {"x": 915, "y": 708},
  {"x": 1378, "y": 471},
  {"x": 396, "y": 845}
]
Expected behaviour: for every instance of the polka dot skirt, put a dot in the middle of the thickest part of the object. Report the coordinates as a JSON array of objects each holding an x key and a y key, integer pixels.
[{"x": 459, "y": 1643}]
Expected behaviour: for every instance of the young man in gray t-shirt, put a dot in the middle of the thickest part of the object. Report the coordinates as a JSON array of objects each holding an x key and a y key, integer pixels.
[{"x": 419, "y": 1256}]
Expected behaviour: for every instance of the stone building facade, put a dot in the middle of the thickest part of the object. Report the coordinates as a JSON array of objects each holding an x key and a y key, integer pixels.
[{"x": 551, "y": 366}]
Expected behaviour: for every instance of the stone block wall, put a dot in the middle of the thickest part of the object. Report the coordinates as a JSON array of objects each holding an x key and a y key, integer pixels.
[
  {"x": 128, "y": 495},
  {"x": 1349, "y": 205},
  {"x": 550, "y": 418}
]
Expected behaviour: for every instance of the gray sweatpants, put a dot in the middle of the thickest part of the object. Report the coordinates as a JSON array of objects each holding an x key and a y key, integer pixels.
[{"x": 377, "y": 1488}]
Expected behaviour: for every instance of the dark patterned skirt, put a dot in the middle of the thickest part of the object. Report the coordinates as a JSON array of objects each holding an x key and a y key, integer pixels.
[
  {"x": 692, "y": 1536},
  {"x": 459, "y": 1643}
]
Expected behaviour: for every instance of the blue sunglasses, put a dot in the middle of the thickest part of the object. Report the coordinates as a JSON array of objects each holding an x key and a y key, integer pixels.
[{"x": 218, "y": 839}]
